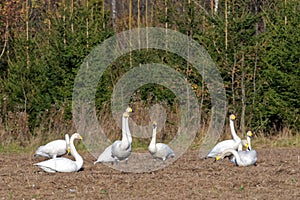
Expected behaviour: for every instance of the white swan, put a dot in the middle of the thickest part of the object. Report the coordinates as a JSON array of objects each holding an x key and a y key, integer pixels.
[
  {"x": 159, "y": 150},
  {"x": 249, "y": 158},
  {"x": 234, "y": 143},
  {"x": 248, "y": 151},
  {"x": 121, "y": 149},
  {"x": 64, "y": 164},
  {"x": 106, "y": 155},
  {"x": 54, "y": 148}
]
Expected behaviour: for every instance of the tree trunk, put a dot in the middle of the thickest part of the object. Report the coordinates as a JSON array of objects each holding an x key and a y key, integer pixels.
[
  {"x": 217, "y": 6},
  {"x": 242, "y": 125},
  {"x": 114, "y": 12}
]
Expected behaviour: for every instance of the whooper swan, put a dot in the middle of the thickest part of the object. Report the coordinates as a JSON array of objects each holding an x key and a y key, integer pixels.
[
  {"x": 64, "y": 164},
  {"x": 159, "y": 150},
  {"x": 247, "y": 159},
  {"x": 106, "y": 155},
  {"x": 121, "y": 149},
  {"x": 54, "y": 148},
  {"x": 233, "y": 143}
]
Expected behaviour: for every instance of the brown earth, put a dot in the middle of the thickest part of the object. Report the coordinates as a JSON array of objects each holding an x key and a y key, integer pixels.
[{"x": 276, "y": 176}]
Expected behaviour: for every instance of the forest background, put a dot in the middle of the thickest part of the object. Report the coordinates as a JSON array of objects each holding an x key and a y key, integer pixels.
[{"x": 254, "y": 43}]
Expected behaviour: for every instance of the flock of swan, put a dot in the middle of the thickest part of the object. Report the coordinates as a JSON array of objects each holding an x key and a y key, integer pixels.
[
  {"x": 121, "y": 150},
  {"x": 234, "y": 148}
]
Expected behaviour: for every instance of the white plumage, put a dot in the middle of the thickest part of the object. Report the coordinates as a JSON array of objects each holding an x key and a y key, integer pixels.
[
  {"x": 159, "y": 150},
  {"x": 64, "y": 164},
  {"x": 117, "y": 151},
  {"x": 248, "y": 154},
  {"x": 249, "y": 158},
  {"x": 54, "y": 148},
  {"x": 234, "y": 143}
]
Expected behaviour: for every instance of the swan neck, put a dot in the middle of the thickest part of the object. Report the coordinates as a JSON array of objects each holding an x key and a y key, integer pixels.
[
  {"x": 249, "y": 143},
  {"x": 153, "y": 140},
  {"x": 78, "y": 158},
  {"x": 128, "y": 131},
  {"x": 232, "y": 129},
  {"x": 124, "y": 142},
  {"x": 236, "y": 155}
]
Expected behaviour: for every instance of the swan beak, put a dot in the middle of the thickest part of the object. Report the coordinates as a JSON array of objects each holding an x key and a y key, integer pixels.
[
  {"x": 218, "y": 157},
  {"x": 80, "y": 137},
  {"x": 247, "y": 145},
  {"x": 69, "y": 151},
  {"x": 249, "y": 133}
]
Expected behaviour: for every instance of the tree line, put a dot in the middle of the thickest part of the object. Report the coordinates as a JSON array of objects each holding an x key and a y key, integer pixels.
[{"x": 254, "y": 43}]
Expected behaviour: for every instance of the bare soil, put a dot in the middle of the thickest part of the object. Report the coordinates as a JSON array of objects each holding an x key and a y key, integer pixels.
[{"x": 276, "y": 176}]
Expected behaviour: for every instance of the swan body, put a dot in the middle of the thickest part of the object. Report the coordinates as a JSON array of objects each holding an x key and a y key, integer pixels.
[
  {"x": 247, "y": 159},
  {"x": 121, "y": 149},
  {"x": 106, "y": 156},
  {"x": 234, "y": 143},
  {"x": 64, "y": 164},
  {"x": 54, "y": 148},
  {"x": 159, "y": 150}
]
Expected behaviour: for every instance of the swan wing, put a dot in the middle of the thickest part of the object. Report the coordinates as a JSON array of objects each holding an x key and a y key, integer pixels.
[
  {"x": 58, "y": 165},
  {"x": 221, "y": 146},
  {"x": 163, "y": 151},
  {"x": 52, "y": 149},
  {"x": 119, "y": 153},
  {"x": 247, "y": 157},
  {"x": 106, "y": 156}
]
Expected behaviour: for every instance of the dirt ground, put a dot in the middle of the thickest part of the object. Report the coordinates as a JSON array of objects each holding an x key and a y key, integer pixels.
[{"x": 276, "y": 176}]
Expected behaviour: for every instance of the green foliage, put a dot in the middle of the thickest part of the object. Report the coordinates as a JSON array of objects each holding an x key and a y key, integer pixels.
[{"x": 261, "y": 57}]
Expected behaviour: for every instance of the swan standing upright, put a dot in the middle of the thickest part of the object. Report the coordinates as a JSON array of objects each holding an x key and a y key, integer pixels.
[
  {"x": 234, "y": 143},
  {"x": 121, "y": 149},
  {"x": 159, "y": 150},
  {"x": 64, "y": 164},
  {"x": 54, "y": 148},
  {"x": 106, "y": 155}
]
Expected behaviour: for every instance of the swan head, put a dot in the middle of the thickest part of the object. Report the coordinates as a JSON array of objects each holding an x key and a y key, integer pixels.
[
  {"x": 77, "y": 136},
  {"x": 154, "y": 124},
  {"x": 129, "y": 110},
  {"x": 232, "y": 117},
  {"x": 249, "y": 133}
]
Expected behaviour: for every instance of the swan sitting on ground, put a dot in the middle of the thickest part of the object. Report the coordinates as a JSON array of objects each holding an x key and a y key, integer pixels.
[
  {"x": 246, "y": 154},
  {"x": 121, "y": 149},
  {"x": 234, "y": 143},
  {"x": 54, "y": 148},
  {"x": 106, "y": 155},
  {"x": 64, "y": 164},
  {"x": 159, "y": 150},
  {"x": 248, "y": 159}
]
